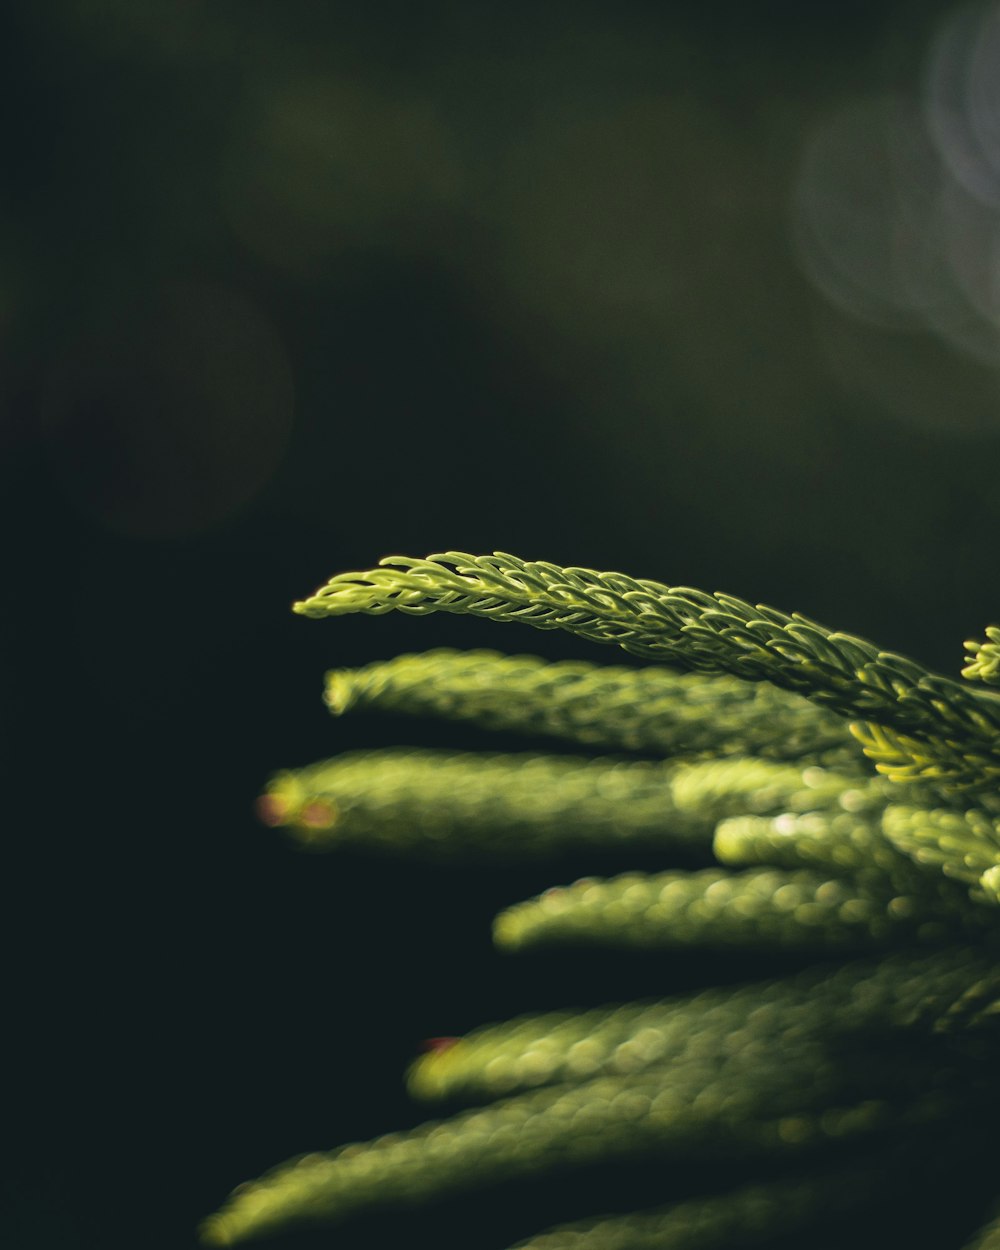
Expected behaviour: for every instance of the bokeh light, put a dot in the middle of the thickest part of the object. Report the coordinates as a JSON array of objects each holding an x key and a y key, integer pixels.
[
  {"x": 710, "y": 293},
  {"x": 896, "y": 222},
  {"x": 864, "y": 208},
  {"x": 962, "y": 98}
]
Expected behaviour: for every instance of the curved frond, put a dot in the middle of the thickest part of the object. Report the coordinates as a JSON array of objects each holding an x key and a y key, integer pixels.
[
  {"x": 714, "y": 633},
  {"x": 852, "y": 1078}
]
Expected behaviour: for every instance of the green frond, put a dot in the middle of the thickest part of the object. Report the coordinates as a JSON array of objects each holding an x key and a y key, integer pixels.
[
  {"x": 441, "y": 802},
  {"x": 850, "y": 844},
  {"x": 928, "y": 992},
  {"x": 799, "y": 1098},
  {"x": 874, "y": 1067},
  {"x": 963, "y": 844},
  {"x": 715, "y": 633},
  {"x": 758, "y": 908},
  {"x": 984, "y": 664},
  {"x": 648, "y": 709},
  {"x": 951, "y": 764},
  {"x": 842, "y": 842}
]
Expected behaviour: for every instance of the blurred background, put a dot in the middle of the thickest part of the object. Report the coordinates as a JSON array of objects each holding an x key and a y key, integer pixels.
[{"x": 706, "y": 293}]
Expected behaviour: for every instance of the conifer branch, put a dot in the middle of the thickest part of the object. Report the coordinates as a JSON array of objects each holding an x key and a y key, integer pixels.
[
  {"x": 759, "y": 908},
  {"x": 830, "y": 856},
  {"x": 798, "y": 1099},
  {"x": 467, "y": 803},
  {"x": 843, "y": 842},
  {"x": 952, "y": 763},
  {"x": 928, "y": 992},
  {"x": 647, "y": 709},
  {"x": 984, "y": 664},
  {"x": 963, "y": 844},
  {"x": 714, "y": 633}
]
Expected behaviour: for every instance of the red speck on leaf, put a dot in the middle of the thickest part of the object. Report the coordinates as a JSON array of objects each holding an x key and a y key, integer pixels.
[
  {"x": 316, "y": 815},
  {"x": 270, "y": 809},
  {"x": 435, "y": 1045}
]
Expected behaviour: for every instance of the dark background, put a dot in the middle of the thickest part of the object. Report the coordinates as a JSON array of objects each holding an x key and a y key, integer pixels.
[{"x": 288, "y": 287}]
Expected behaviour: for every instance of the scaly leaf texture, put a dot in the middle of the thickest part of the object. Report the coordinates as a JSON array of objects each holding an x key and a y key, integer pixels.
[
  {"x": 849, "y": 843},
  {"x": 984, "y": 661},
  {"x": 799, "y": 1099},
  {"x": 963, "y": 844},
  {"x": 651, "y": 709},
  {"x": 815, "y": 853},
  {"x": 438, "y": 802},
  {"x": 839, "y": 841},
  {"x": 903, "y": 757},
  {"x": 714, "y": 633},
  {"x": 759, "y": 908},
  {"x": 926, "y": 992}
]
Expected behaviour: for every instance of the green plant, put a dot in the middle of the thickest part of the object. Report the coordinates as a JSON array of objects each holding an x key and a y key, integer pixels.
[{"x": 850, "y": 800}]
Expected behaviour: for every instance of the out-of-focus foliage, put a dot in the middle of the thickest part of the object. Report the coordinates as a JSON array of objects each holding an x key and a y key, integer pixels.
[
  {"x": 705, "y": 290},
  {"x": 847, "y": 1078},
  {"x": 743, "y": 257}
]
